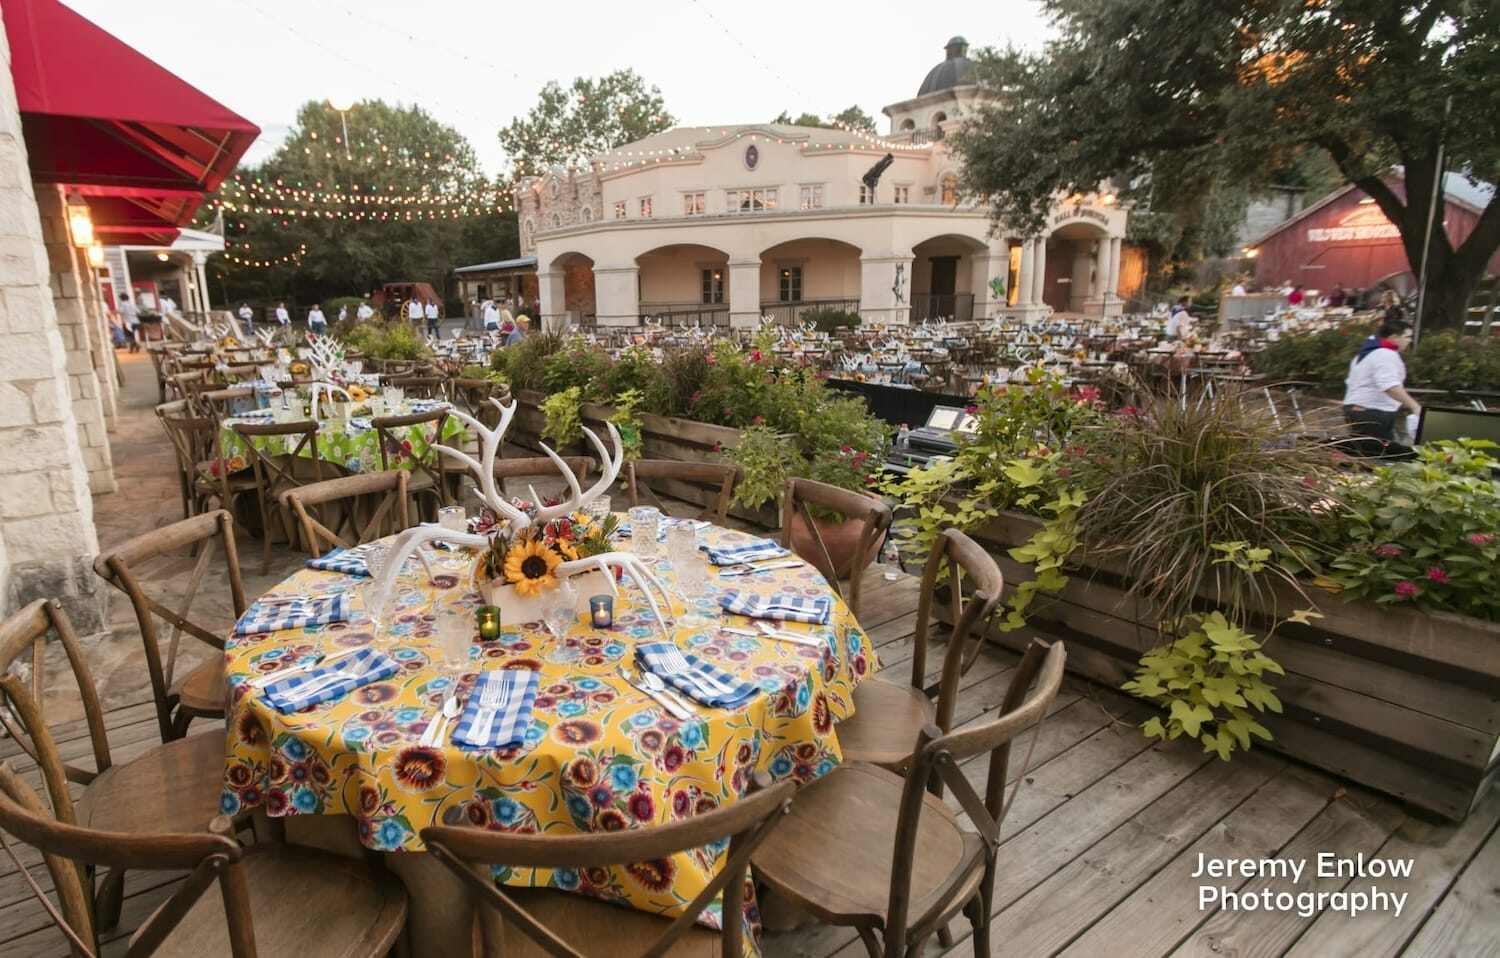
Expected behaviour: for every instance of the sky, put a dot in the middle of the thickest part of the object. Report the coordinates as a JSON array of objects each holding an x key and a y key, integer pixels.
[{"x": 476, "y": 64}]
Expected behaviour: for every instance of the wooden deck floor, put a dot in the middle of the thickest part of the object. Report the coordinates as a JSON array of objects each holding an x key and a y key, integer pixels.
[{"x": 1101, "y": 843}]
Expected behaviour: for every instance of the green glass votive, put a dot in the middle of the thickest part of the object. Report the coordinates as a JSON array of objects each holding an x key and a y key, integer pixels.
[{"x": 488, "y": 619}]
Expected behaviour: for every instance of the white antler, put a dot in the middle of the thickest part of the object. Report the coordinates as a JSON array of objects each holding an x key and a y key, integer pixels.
[
  {"x": 484, "y": 469},
  {"x": 319, "y": 389},
  {"x": 611, "y": 471}
]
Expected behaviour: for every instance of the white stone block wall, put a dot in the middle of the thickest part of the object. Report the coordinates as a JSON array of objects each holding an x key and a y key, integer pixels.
[{"x": 47, "y": 537}]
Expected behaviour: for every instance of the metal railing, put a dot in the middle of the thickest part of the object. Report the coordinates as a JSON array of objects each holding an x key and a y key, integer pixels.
[
  {"x": 685, "y": 314},
  {"x": 958, "y": 307},
  {"x": 790, "y": 314}
]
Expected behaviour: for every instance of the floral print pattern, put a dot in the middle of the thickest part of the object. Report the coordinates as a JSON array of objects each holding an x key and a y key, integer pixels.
[{"x": 354, "y": 447}]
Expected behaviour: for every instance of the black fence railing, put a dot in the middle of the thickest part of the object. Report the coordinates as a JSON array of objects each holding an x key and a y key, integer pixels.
[
  {"x": 958, "y": 307},
  {"x": 792, "y": 314},
  {"x": 685, "y": 314}
]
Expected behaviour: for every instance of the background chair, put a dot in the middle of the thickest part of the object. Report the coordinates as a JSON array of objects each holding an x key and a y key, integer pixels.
[
  {"x": 889, "y": 717},
  {"x": 275, "y": 474},
  {"x": 833, "y": 855},
  {"x": 202, "y": 691},
  {"x": 800, "y": 532},
  {"x": 514, "y": 477},
  {"x": 640, "y": 473},
  {"x": 538, "y": 922},
  {"x": 428, "y": 479},
  {"x": 420, "y": 387},
  {"x": 353, "y": 510},
  {"x": 218, "y": 403}
]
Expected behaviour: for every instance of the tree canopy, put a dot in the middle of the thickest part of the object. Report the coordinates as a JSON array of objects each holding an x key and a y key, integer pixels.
[
  {"x": 1237, "y": 91},
  {"x": 406, "y": 203},
  {"x": 592, "y": 115},
  {"x": 849, "y": 118}
]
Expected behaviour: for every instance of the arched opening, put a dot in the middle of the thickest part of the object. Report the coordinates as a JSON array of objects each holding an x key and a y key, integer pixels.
[
  {"x": 684, "y": 284},
  {"x": 943, "y": 280},
  {"x": 938, "y": 119},
  {"x": 577, "y": 287},
  {"x": 809, "y": 275},
  {"x": 948, "y": 189},
  {"x": 908, "y": 125},
  {"x": 1071, "y": 279},
  {"x": 556, "y": 220}
]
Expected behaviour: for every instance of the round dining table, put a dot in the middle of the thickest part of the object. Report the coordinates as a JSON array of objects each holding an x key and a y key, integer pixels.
[{"x": 598, "y": 754}]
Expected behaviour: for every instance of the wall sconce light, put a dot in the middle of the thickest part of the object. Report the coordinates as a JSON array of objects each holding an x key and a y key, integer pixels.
[
  {"x": 96, "y": 255},
  {"x": 80, "y": 222},
  {"x": 163, "y": 256}
]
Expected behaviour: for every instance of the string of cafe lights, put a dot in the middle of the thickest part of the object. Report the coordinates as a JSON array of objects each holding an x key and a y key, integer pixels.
[
  {"x": 257, "y": 263},
  {"x": 368, "y": 196}
]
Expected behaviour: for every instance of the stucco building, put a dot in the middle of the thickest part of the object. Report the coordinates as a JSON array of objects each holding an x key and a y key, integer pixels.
[{"x": 726, "y": 224}]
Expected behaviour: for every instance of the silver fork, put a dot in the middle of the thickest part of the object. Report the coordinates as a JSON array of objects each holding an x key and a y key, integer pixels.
[{"x": 675, "y": 710}]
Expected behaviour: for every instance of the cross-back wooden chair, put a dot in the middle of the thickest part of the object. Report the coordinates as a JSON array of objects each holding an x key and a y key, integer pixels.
[
  {"x": 800, "y": 532},
  {"x": 428, "y": 480},
  {"x": 182, "y": 383},
  {"x": 349, "y": 511},
  {"x": 200, "y": 692},
  {"x": 275, "y": 474},
  {"x": 160, "y": 359},
  {"x": 523, "y": 923},
  {"x": 834, "y": 854},
  {"x": 640, "y": 473},
  {"x": 174, "y": 787},
  {"x": 515, "y": 477},
  {"x": 216, "y": 403},
  {"x": 888, "y": 716},
  {"x": 266, "y": 902},
  {"x": 193, "y": 439},
  {"x": 472, "y": 396},
  {"x": 419, "y": 387}
]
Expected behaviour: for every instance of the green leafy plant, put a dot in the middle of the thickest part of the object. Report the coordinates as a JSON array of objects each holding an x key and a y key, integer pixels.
[
  {"x": 766, "y": 460},
  {"x": 1442, "y": 360},
  {"x": 575, "y": 364},
  {"x": 627, "y": 423},
  {"x": 562, "y": 416},
  {"x": 524, "y": 365},
  {"x": 829, "y": 320}
]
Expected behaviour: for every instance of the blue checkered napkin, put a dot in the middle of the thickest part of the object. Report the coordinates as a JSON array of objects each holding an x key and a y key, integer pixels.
[
  {"x": 265, "y": 616},
  {"x": 780, "y": 607},
  {"x": 752, "y": 551},
  {"x": 332, "y": 681},
  {"x": 347, "y": 561},
  {"x": 693, "y": 677},
  {"x": 499, "y": 709}
]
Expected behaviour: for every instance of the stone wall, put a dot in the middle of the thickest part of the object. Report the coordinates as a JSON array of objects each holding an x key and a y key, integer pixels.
[
  {"x": 570, "y": 197},
  {"x": 47, "y": 537}
]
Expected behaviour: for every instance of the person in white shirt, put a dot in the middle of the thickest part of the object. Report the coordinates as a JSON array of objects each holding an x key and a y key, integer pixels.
[
  {"x": 316, "y": 322},
  {"x": 1375, "y": 391},
  {"x": 364, "y": 312},
  {"x": 131, "y": 317},
  {"x": 414, "y": 311},
  {"x": 1180, "y": 322},
  {"x": 491, "y": 316},
  {"x": 430, "y": 310},
  {"x": 1239, "y": 289},
  {"x": 343, "y": 312},
  {"x": 247, "y": 317},
  {"x": 282, "y": 316}
]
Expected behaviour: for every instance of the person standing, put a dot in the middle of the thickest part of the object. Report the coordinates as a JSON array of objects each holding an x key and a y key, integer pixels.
[
  {"x": 282, "y": 316},
  {"x": 131, "y": 318},
  {"x": 1375, "y": 391},
  {"x": 317, "y": 323},
  {"x": 247, "y": 319},
  {"x": 1180, "y": 321},
  {"x": 430, "y": 310},
  {"x": 1296, "y": 296},
  {"x": 491, "y": 317},
  {"x": 343, "y": 312},
  {"x": 364, "y": 312},
  {"x": 414, "y": 311}
]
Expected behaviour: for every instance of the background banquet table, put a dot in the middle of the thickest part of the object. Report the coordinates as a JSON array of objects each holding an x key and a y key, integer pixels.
[
  {"x": 353, "y": 443},
  {"x": 598, "y": 754}
]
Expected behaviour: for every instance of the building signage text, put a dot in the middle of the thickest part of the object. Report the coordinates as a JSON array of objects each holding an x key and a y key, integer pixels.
[
  {"x": 1364, "y": 222},
  {"x": 1080, "y": 212}
]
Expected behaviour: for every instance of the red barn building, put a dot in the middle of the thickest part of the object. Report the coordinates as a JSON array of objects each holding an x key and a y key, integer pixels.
[{"x": 1345, "y": 239}]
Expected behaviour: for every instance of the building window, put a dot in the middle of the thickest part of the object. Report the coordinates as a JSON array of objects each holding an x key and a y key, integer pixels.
[
  {"x": 645, "y": 207},
  {"x": 790, "y": 287},
  {"x": 620, "y": 209},
  {"x": 812, "y": 196},
  {"x": 866, "y": 195},
  {"x": 949, "y": 183},
  {"x": 586, "y": 214},
  {"x": 530, "y": 230},
  {"x": 750, "y": 201},
  {"x": 556, "y": 221},
  {"x": 902, "y": 195},
  {"x": 692, "y": 204},
  {"x": 713, "y": 286},
  {"x": 908, "y": 124}
]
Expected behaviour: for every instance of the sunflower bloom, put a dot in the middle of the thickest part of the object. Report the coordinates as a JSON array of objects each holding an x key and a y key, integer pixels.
[{"x": 530, "y": 567}]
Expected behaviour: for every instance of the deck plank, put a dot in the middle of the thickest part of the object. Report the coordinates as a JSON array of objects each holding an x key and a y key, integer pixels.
[{"x": 1467, "y": 922}]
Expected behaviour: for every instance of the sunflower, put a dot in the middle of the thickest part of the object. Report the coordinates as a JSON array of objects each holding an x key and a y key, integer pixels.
[
  {"x": 529, "y": 567},
  {"x": 357, "y": 393}
]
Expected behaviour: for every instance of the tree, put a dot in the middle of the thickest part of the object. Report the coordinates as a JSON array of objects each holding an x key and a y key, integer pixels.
[
  {"x": 849, "y": 118},
  {"x": 1240, "y": 90},
  {"x": 415, "y": 173},
  {"x": 569, "y": 125}
]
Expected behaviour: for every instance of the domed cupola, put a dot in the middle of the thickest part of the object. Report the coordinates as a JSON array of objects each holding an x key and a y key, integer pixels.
[{"x": 955, "y": 70}]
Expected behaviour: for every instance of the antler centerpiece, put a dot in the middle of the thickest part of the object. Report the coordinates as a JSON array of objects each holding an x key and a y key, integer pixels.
[{"x": 529, "y": 550}]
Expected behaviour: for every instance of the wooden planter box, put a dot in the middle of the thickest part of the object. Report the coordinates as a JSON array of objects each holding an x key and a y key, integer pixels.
[
  {"x": 662, "y": 437},
  {"x": 1400, "y": 700}
]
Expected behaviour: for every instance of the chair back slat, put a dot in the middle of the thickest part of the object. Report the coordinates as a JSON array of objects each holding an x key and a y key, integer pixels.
[
  {"x": 419, "y": 387},
  {"x": 430, "y": 462},
  {"x": 380, "y": 495},
  {"x": 875, "y": 514},
  {"x": 639, "y": 472},
  {"x": 963, "y": 559}
]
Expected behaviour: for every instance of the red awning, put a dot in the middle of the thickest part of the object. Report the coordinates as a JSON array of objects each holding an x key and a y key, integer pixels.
[
  {"x": 132, "y": 217},
  {"x": 96, "y": 112}
]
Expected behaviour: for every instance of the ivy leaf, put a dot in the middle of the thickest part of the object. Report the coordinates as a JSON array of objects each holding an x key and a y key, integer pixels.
[{"x": 1192, "y": 717}]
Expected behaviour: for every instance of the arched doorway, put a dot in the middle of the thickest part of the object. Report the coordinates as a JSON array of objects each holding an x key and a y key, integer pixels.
[
  {"x": 684, "y": 284},
  {"x": 573, "y": 277},
  {"x": 942, "y": 278},
  {"x": 803, "y": 275},
  {"x": 1072, "y": 283}
]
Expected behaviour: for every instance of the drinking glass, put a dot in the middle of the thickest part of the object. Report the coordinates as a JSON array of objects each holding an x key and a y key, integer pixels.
[
  {"x": 598, "y": 508},
  {"x": 453, "y": 518},
  {"x": 561, "y": 609},
  {"x": 455, "y": 631},
  {"x": 682, "y": 542},
  {"x": 645, "y": 521}
]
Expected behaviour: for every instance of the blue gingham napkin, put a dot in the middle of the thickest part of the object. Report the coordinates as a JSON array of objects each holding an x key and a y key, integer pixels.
[
  {"x": 693, "y": 677},
  {"x": 332, "y": 681},
  {"x": 266, "y": 616},
  {"x": 752, "y": 551},
  {"x": 780, "y": 607},
  {"x": 347, "y": 561},
  {"x": 499, "y": 709}
]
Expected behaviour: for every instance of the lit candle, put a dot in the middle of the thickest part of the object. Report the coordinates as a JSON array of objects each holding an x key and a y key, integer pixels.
[
  {"x": 602, "y": 611},
  {"x": 488, "y": 618}
]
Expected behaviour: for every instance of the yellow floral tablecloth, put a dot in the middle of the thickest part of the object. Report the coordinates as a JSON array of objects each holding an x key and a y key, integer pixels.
[
  {"x": 599, "y": 755},
  {"x": 353, "y": 444}
]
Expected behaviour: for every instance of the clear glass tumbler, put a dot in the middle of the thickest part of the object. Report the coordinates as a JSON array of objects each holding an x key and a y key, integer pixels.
[{"x": 645, "y": 523}]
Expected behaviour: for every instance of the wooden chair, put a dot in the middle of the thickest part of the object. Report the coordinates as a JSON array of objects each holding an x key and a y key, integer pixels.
[
  {"x": 531, "y": 468},
  {"x": 169, "y": 788},
  {"x": 833, "y": 856},
  {"x": 428, "y": 477},
  {"x": 874, "y": 513},
  {"x": 215, "y": 403},
  {"x": 723, "y": 475},
  {"x": 194, "y": 440},
  {"x": 419, "y": 387},
  {"x": 889, "y": 717},
  {"x": 523, "y": 923},
  {"x": 273, "y": 899},
  {"x": 353, "y": 510},
  {"x": 202, "y": 691},
  {"x": 275, "y": 474}
]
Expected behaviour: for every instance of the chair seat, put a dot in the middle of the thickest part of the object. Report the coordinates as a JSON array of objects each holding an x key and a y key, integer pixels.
[
  {"x": 887, "y": 718},
  {"x": 304, "y": 903},
  {"x": 172, "y": 788},
  {"x": 587, "y": 924},
  {"x": 833, "y": 853},
  {"x": 203, "y": 689}
]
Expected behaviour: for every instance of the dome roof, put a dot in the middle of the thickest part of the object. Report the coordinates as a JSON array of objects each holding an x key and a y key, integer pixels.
[{"x": 955, "y": 70}]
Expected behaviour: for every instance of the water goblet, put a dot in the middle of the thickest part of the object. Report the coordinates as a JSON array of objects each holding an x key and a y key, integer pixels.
[
  {"x": 645, "y": 521},
  {"x": 561, "y": 609}
]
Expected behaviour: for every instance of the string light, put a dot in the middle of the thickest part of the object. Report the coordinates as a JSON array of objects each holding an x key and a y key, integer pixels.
[{"x": 289, "y": 258}]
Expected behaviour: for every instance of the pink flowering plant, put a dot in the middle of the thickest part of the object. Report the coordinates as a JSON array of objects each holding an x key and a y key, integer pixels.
[{"x": 1424, "y": 533}]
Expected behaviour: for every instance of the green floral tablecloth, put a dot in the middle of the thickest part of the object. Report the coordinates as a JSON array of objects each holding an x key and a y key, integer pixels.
[{"x": 352, "y": 443}]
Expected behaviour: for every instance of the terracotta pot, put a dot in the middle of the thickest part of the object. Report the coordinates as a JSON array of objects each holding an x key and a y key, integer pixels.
[{"x": 840, "y": 538}]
